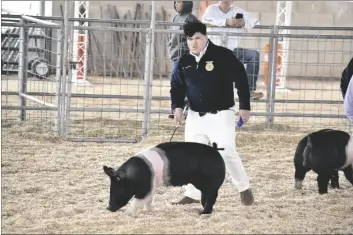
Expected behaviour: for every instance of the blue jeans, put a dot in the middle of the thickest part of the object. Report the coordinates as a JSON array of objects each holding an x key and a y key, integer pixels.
[
  {"x": 173, "y": 68},
  {"x": 170, "y": 79},
  {"x": 252, "y": 60}
]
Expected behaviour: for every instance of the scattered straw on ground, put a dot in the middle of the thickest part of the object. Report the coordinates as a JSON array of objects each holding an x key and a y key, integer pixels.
[{"x": 53, "y": 186}]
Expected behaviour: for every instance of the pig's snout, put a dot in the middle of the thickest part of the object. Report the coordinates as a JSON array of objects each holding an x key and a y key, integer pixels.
[{"x": 109, "y": 208}]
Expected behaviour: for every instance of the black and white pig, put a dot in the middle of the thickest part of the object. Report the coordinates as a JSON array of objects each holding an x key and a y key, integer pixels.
[
  {"x": 167, "y": 164},
  {"x": 325, "y": 152}
]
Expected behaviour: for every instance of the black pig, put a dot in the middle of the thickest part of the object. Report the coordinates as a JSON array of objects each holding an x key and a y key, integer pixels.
[
  {"x": 325, "y": 152},
  {"x": 167, "y": 164}
]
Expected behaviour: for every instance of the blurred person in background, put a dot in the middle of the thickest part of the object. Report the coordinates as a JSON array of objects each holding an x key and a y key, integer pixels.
[
  {"x": 346, "y": 77},
  {"x": 177, "y": 45},
  {"x": 224, "y": 14}
]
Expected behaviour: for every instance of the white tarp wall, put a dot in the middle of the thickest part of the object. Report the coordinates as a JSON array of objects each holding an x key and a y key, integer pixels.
[{"x": 26, "y": 7}]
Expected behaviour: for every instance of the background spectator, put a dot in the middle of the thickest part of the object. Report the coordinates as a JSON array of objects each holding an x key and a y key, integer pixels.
[
  {"x": 224, "y": 14},
  {"x": 177, "y": 44}
]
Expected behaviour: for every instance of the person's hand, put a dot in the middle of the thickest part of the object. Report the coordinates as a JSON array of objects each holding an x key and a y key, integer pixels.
[
  {"x": 178, "y": 115},
  {"x": 244, "y": 114},
  {"x": 239, "y": 22}
]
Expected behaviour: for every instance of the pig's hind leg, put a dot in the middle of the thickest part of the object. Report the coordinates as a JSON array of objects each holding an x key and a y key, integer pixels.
[
  {"x": 323, "y": 180},
  {"x": 335, "y": 180},
  {"x": 209, "y": 192},
  {"x": 208, "y": 200}
]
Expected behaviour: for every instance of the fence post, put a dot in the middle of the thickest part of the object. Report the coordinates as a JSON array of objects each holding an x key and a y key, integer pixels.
[
  {"x": 64, "y": 70},
  {"x": 148, "y": 77},
  {"x": 58, "y": 77},
  {"x": 269, "y": 75},
  {"x": 22, "y": 68},
  {"x": 69, "y": 82},
  {"x": 274, "y": 73},
  {"x": 224, "y": 39},
  {"x": 271, "y": 86}
]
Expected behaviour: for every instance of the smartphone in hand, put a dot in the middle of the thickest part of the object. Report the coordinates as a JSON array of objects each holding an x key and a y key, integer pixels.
[{"x": 239, "y": 16}]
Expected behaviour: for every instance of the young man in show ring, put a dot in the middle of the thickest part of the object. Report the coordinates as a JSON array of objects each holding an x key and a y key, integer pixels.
[{"x": 206, "y": 76}]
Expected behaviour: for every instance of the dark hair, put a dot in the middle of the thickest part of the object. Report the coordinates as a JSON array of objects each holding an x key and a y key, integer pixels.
[
  {"x": 190, "y": 28},
  {"x": 187, "y": 7}
]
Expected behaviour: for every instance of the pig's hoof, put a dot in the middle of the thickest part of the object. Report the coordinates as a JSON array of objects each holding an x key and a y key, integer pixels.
[
  {"x": 111, "y": 209},
  {"x": 130, "y": 212},
  {"x": 149, "y": 210},
  {"x": 298, "y": 184},
  {"x": 205, "y": 216},
  {"x": 205, "y": 212}
]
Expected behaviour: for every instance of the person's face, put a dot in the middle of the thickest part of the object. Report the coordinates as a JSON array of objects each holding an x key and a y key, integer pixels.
[
  {"x": 226, "y": 3},
  {"x": 197, "y": 43},
  {"x": 179, "y": 6}
]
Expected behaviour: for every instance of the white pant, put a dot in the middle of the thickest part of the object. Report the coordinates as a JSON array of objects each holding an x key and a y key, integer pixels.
[{"x": 218, "y": 128}]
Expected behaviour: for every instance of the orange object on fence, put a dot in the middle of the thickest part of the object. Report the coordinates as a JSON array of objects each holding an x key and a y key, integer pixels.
[
  {"x": 81, "y": 56},
  {"x": 279, "y": 64}
]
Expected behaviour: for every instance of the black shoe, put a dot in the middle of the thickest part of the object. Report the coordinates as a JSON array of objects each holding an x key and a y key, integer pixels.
[{"x": 247, "y": 197}]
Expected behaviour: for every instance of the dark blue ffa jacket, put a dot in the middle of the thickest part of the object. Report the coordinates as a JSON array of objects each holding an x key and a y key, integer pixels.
[{"x": 210, "y": 90}]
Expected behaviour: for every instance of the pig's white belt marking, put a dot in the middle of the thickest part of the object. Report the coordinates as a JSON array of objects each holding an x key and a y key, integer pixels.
[{"x": 158, "y": 163}]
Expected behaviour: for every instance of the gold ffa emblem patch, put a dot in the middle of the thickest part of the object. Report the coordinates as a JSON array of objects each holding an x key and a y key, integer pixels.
[{"x": 209, "y": 65}]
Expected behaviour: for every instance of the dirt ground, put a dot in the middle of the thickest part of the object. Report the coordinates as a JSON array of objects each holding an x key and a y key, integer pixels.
[{"x": 53, "y": 186}]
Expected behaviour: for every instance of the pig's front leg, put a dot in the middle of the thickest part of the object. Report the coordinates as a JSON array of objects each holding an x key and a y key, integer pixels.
[
  {"x": 135, "y": 205},
  {"x": 149, "y": 201}
]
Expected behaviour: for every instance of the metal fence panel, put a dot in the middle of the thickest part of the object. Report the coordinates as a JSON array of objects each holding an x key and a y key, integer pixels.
[
  {"x": 109, "y": 106},
  {"x": 116, "y": 87},
  {"x": 311, "y": 98},
  {"x": 32, "y": 95}
]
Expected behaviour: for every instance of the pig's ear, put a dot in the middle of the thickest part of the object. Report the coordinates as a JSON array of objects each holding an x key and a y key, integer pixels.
[{"x": 109, "y": 171}]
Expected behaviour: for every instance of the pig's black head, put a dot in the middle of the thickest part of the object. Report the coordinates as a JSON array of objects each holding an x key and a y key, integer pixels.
[{"x": 120, "y": 189}]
